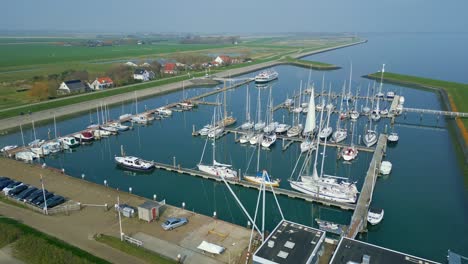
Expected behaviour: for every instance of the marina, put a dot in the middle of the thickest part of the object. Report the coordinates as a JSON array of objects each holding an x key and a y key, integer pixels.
[{"x": 184, "y": 123}]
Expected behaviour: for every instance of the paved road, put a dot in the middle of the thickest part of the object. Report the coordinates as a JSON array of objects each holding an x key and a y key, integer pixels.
[{"x": 14, "y": 122}]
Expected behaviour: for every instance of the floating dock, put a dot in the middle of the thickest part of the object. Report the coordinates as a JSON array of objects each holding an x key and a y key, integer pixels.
[{"x": 359, "y": 218}]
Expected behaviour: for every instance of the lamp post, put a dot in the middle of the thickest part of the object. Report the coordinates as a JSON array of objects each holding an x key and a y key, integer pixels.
[{"x": 43, "y": 193}]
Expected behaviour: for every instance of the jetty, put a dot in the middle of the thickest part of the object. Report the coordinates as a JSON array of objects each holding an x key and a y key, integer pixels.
[{"x": 359, "y": 218}]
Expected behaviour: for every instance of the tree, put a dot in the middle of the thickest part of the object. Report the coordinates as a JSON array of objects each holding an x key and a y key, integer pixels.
[{"x": 40, "y": 90}]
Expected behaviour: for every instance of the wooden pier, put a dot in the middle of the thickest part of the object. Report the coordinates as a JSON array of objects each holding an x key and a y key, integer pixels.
[
  {"x": 280, "y": 191},
  {"x": 359, "y": 218}
]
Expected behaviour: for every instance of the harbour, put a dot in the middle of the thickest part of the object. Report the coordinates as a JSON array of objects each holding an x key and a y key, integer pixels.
[{"x": 182, "y": 125}]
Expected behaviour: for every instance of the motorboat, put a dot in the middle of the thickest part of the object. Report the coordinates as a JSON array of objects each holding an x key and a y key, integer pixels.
[
  {"x": 109, "y": 128},
  {"x": 370, "y": 138},
  {"x": 331, "y": 227},
  {"x": 134, "y": 163},
  {"x": 260, "y": 125},
  {"x": 266, "y": 76},
  {"x": 385, "y": 167},
  {"x": 307, "y": 145},
  {"x": 216, "y": 132},
  {"x": 259, "y": 179},
  {"x": 295, "y": 131},
  {"x": 349, "y": 153},
  {"x": 164, "y": 111},
  {"x": 339, "y": 135},
  {"x": 393, "y": 137},
  {"x": 36, "y": 143},
  {"x": 125, "y": 117},
  {"x": 390, "y": 94},
  {"x": 282, "y": 128},
  {"x": 268, "y": 139},
  {"x": 8, "y": 148},
  {"x": 186, "y": 105},
  {"x": 99, "y": 133},
  {"x": 119, "y": 126},
  {"x": 205, "y": 130},
  {"x": 256, "y": 139},
  {"x": 401, "y": 100},
  {"x": 325, "y": 133},
  {"x": 247, "y": 125},
  {"x": 375, "y": 216},
  {"x": 246, "y": 137},
  {"x": 270, "y": 127},
  {"x": 69, "y": 141},
  {"x": 85, "y": 136},
  {"x": 140, "y": 119},
  {"x": 52, "y": 146}
]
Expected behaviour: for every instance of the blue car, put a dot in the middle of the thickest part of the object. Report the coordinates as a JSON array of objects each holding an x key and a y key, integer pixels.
[
  {"x": 25, "y": 193},
  {"x": 173, "y": 222}
]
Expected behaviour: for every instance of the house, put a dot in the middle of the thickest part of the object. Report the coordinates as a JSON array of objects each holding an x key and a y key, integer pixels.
[
  {"x": 143, "y": 75},
  {"x": 170, "y": 68},
  {"x": 102, "y": 83},
  {"x": 73, "y": 86},
  {"x": 223, "y": 60}
]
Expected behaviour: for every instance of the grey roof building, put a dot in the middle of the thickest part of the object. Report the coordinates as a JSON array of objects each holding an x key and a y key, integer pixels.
[{"x": 73, "y": 86}]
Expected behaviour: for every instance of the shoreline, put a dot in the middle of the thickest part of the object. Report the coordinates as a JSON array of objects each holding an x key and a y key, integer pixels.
[
  {"x": 13, "y": 122},
  {"x": 460, "y": 129}
]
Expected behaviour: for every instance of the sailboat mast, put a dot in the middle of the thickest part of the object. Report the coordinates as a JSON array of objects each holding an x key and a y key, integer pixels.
[
  {"x": 318, "y": 140},
  {"x": 247, "y": 107},
  {"x": 325, "y": 144},
  {"x": 22, "y": 136},
  {"x": 259, "y": 113},
  {"x": 367, "y": 97},
  {"x": 225, "y": 104},
  {"x": 55, "y": 127},
  {"x": 258, "y": 156},
  {"x": 34, "y": 130},
  {"x": 214, "y": 137}
]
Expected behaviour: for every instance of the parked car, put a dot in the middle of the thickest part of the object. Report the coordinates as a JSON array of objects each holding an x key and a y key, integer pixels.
[
  {"x": 2, "y": 178},
  {"x": 38, "y": 201},
  {"x": 11, "y": 186},
  {"x": 5, "y": 183},
  {"x": 17, "y": 189},
  {"x": 174, "y": 222},
  {"x": 53, "y": 201},
  {"x": 25, "y": 193},
  {"x": 33, "y": 196}
]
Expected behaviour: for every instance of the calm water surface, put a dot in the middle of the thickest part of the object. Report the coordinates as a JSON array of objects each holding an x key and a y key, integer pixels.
[{"x": 426, "y": 205}]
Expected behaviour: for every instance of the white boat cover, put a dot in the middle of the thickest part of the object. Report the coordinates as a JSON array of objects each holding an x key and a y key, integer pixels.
[
  {"x": 221, "y": 164},
  {"x": 310, "y": 120},
  {"x": 211, "y": 248}
]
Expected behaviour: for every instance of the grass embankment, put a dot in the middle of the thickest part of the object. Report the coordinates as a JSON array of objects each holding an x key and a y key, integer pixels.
[
  {"x": 139, "y": 252},
  {"x": 311, "y": 64},
  {"x": 32, "y": 246}
]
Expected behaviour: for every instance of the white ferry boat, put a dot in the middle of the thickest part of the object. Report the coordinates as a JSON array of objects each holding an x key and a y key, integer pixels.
[{"x": 266, "y": 76}]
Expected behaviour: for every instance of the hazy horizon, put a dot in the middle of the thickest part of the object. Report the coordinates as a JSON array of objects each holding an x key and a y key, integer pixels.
[{"x": 241, "y": 17}]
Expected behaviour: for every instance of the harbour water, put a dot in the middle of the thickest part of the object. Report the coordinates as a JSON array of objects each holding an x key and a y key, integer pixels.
[{"x": 425, "y": 201}]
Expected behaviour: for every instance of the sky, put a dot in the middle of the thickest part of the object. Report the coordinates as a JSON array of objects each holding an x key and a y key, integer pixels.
[{"x": 235, "y": 16}]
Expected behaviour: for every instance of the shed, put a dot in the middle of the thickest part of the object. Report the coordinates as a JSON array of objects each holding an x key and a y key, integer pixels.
[{"x": 149, "y": 211}]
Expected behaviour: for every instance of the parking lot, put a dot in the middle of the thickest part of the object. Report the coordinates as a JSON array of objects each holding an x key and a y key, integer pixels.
[{"x": 79, "y": 227}]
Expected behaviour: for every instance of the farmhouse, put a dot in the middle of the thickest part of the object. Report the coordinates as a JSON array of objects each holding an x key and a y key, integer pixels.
[
  {"x": 170, "y": 68},
  {"x": 223, "y": 60},
  {"x": 143, "y": 75},
  {"x": 73, "y": 86},
  {"x": 102, "y": 83}
]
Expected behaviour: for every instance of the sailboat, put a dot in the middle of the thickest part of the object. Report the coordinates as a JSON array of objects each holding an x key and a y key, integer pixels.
[
  {"x": 366, "y": 110},
  {"x": 375, "y": 115},
  {"x": 370, "y": 138},
  {"x": 258, "y": 177},
  {"x": 323, "y": 187},
  {"x": 341, "y": 133},
  {"x": 185, "y": 104},
  {"x": 36, "y": 142},
  {"x": 269, "y": 138},
  {"x": 217, "y": 169},
  {"x": 248, "y": 123},
  {"x": 138, "y": 118},
  {"x": 309, "y": 125},
  {"x": 260, "y": 124},
  {"x": 351, "y": 152},
  {"x": 227, "y": 120},
  {"x": 297, "y": 109},
  {"x": 217, "y": 128},
  {"x": 326, "y": 132}
]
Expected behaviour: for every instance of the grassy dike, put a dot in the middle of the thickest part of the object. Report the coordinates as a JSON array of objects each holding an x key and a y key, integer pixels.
[
  {"x": 33, "y": 246},
  {"x": 455, "y": 97},
  {"x": 310, "y": 64}
]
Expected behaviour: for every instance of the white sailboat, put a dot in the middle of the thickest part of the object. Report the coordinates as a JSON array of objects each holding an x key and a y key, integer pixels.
[
  {"x": 366, "y": 110},
  {"x": 36, "y": 142},
  {"x": 248, "y": 123},
  {"x": 217, "y": 169},
  {"x": 310, "y": 124},
  {"x": 269, "y": 138},
  {"x": 138, "y": 118},
  {"x": 341, "y": 133},
  {"x": 258, "y": 178},
  {"x": 297, "y": 109},
  {"x": 370, "y": 138},
  {"x": 323, "y": 187},
  {"x": 246, "y": 137},
  {"x": 260, "y": 124},
  {"x": 375, "y": 115}
]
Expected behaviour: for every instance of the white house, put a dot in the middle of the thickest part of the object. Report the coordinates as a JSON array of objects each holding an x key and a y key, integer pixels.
[
  {"x": 102, "y": 83},
  {"x": 223, "y": 60},
  {"x": 142, "y": 74}
]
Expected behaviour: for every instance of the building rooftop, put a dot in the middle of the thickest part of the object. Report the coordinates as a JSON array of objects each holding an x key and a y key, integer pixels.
[
  {"x": 149, "y": 205},
  {"x": 290, "y": 243},
  {"x": 354, "y": 251}
]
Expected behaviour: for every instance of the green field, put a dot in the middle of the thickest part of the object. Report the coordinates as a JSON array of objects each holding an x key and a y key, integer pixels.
[{"x": 33, "y": 246}]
